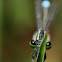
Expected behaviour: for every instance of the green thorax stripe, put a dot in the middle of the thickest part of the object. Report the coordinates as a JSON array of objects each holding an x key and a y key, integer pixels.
[{"x": 38, "y": 33}]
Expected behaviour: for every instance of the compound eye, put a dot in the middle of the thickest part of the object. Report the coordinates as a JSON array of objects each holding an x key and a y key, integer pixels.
[
  {"x": 33, "y": 42},
  {"x": 48, "y": 44}
]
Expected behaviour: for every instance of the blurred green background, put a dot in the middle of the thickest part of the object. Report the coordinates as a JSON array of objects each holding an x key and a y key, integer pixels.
[{"x": 17, "y": 25}]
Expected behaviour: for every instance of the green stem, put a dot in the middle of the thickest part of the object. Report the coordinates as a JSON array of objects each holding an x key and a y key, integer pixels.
[{"x": 42, "y": 51}]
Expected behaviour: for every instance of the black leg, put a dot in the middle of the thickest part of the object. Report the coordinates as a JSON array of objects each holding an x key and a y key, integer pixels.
[{"x": 45, "y": 57}]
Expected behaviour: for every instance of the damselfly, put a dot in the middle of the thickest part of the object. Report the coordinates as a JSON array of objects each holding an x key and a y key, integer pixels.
[{"x": 45, "y": 12}]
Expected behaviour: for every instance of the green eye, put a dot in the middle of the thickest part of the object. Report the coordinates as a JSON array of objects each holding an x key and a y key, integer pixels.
[
  {"x": 48, "y": 45},
  {"x": 32, "y": 44}
]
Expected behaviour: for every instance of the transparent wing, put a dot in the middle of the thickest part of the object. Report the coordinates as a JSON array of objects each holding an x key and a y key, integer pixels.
[
  {"x": 51, "y": 16},
  {"x": 38, "y": 13},
  {"x": 45, "y": 11}
]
